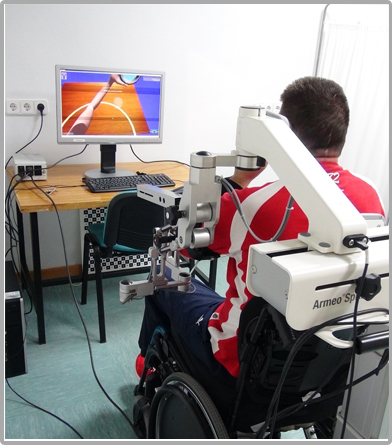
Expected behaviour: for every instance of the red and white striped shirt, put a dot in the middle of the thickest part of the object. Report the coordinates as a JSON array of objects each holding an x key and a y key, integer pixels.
[{"x": 264, "y": 208}]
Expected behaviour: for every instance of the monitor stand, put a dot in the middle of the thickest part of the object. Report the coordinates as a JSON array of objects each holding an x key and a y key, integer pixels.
[{"x": 108, "y": 164}]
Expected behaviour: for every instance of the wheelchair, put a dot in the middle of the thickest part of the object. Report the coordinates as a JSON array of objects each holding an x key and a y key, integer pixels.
[{"x": 288, "y": 380}]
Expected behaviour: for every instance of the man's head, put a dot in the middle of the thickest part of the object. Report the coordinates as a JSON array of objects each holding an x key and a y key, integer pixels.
[{"x": 318, "y": 113}]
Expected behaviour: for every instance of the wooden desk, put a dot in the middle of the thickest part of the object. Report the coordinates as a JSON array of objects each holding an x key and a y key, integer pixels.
[{"x": 71, "y": 194}]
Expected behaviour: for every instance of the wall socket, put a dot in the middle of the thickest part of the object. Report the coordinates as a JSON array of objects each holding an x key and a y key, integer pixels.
[{"x": 21, "y": 107}]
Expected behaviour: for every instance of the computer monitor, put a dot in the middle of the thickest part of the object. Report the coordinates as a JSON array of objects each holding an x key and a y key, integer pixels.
[{"x": 108, "y": 107}]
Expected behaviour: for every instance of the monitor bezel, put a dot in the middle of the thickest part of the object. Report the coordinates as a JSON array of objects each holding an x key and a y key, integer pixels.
[{"x": 107, "y": 139}]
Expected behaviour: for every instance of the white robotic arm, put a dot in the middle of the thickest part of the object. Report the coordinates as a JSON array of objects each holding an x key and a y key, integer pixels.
[
  {"x": 307, "y": 279},
  {"x": 333, "y": 220}
]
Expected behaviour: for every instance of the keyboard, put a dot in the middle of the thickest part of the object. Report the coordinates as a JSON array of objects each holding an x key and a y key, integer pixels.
[{"x": 112, "y": 184}]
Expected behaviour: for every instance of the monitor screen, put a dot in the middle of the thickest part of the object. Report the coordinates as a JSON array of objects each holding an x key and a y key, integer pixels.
[{"x": 109, "y": 106}]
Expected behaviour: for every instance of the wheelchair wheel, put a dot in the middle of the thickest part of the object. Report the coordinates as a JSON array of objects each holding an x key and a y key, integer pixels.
[{"x": 181, "y": 409}]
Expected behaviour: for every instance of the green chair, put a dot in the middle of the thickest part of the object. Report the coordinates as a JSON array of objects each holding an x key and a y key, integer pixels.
[{"x": 127, "y": 229}]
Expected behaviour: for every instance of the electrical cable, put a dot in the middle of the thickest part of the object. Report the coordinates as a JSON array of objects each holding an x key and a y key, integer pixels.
[
  {"x": 296, "y": 407},
  {"x": 13, "y": 230},
  {"x": 8, "y": 209},
  {"x": 81, "y": 316},
  {"x": 43, "y": 410},
  {"x": 272, "y": 409},
  {"x": 67, "y": 157},
  {"x": 10, "y": 229},
  {"x": 233, "y": 194},
  {"x": 49, "y": 187},
  {"x": 315, "y": 396},
  {"x": 36, "y": 136},
  {"x": 11, "y": 187},
  {"x": 383, "y": 362},
  {"x": 356, "y": 303},
  {"x": 157, "y": 161}
]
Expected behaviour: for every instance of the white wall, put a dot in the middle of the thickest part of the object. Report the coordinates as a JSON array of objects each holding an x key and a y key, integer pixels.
[{"x": 216, "y": 58}]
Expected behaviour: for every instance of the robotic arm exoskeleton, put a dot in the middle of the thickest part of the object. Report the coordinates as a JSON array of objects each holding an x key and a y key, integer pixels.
[{"x": 311, "y": 279}]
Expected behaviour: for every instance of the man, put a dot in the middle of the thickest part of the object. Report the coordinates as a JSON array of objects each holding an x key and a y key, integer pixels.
[{"x": 318, "y": 112}]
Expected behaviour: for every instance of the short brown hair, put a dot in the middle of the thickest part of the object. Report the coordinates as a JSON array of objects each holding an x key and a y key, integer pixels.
[{"x": 318, "y": 112}]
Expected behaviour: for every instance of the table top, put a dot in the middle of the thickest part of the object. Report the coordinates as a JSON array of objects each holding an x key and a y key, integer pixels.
[{"x": 71, "y": 193}]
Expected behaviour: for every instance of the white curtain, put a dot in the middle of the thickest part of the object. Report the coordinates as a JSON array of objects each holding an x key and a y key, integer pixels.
[{"x": 354, "y": 52}]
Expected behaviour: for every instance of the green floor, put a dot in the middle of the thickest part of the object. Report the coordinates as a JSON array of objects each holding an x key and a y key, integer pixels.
[{"x": 60, "y": 376}]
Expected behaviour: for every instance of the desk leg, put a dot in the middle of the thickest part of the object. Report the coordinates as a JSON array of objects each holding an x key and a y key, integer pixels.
[
  {"x": 34, "y": 286},
  {"x": 39, "y": 302}
]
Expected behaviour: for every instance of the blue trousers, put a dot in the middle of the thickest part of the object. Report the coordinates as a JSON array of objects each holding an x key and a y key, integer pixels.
[{"x": 189, "y": 314}]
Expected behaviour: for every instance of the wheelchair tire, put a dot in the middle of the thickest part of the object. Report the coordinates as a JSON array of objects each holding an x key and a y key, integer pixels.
[{"x": 182, "y": 409}]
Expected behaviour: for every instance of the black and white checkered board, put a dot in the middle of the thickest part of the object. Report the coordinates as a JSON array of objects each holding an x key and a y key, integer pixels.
[{"x": 116, "y": 263}]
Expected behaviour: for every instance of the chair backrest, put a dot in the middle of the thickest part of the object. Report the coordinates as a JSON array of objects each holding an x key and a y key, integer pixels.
[{"x": 130, "y": 221}]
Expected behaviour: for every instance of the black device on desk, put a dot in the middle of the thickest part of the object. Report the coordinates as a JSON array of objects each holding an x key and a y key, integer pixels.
[
  {"x": 129, "y": 182},
  {"x": 15, "y": 330}
]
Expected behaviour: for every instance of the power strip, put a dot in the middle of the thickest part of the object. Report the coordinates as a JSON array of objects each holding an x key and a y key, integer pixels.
[{"x": 30, "y": 164}]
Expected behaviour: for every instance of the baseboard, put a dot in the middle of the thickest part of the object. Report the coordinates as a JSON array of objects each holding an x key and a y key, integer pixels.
[{"x": 61, "y": 272}]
